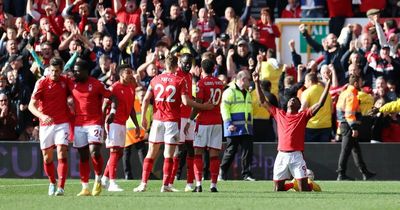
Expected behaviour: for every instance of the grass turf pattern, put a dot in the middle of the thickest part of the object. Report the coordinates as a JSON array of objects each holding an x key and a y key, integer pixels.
[{"x": 232, "y": 195}]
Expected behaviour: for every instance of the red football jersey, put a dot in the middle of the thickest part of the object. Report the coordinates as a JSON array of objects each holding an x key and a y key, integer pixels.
[
  {"x": 125, "y": 95},
  {"x": 167, "y": 90},
  {"x": 291, "y": 128},
  {"x": 88, "y": 100},
  {"x": 210, "y": 89},
  {"x": 52, "y": 98},
  {"x": 186, "y": 110}
]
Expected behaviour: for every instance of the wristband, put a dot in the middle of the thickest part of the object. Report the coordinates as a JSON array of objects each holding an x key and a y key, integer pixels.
[{"x": 113, "y": 110}]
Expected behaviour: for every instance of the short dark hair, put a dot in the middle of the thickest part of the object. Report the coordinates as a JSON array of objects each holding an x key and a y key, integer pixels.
[
  {"x": 82, "y": 64},
  {"x": 120, "y": 68},
  {"x": 312, "y": 77},
  {"x": 353, "y": 78},
  {"x": 208, "y": 66},
  {"x": 57, "y": 61}
]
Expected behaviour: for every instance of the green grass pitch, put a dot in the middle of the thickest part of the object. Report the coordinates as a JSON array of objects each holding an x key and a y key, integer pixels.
[{"x": 234, "y": 195}]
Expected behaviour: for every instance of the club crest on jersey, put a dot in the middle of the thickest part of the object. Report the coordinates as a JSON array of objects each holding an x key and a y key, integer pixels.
[
  {"x": 62, "y": 84},
  {"x": 90, "y": 88}
]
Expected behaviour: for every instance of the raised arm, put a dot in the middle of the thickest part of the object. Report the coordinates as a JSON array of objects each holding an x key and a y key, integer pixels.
[
  {"x": 322, "y": 99},
  {"x": 260, "y": 93}
]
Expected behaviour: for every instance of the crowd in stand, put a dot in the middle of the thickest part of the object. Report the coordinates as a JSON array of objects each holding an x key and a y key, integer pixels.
[{"x": 141, "y": 34}]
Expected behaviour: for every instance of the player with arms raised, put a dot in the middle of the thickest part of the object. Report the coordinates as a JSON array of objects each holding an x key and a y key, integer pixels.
[
  {"x": 291, "y": 133},
  {"x": 49, "y": 104},
  {"x": 208, "y": 126},
  {"x": 169, "y": 91}
]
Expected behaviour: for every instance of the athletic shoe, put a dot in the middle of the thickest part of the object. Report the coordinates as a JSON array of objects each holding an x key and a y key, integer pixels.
[
  {"x": 344, "y": 177},
  {"x": 188, "y": 188},
  {"x": 173, "y": 189},
  {"x": 96, "y": 188},
  {"x": 140, "y": 188},
  {"x": 105, "y": 183},
  {"x": 368, "y": 175},
  {"x": 165, "y": 189},
  {"x": 221, "y": 178},
  {"x": 84, "y": 192},
  {"x": 315, "y": 186},
  {"x": 295, "y": 185},
  {"x": 114, "y": 188},
  {"x": 198, "y": 189},
  {"x": 249, "y": 178},
  {"x": 59, "y": 192},
  {"x": 52, "y": 189},
  {"x": 213, "y": 189}
]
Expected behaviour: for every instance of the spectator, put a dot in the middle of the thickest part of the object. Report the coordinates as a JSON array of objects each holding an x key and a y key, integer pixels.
[
  {"x": 319, "y": 126},
  {"x": 292, "y": 10},
  {"x": 268, "y": 30},
  {"x": 8, "y": 120}
]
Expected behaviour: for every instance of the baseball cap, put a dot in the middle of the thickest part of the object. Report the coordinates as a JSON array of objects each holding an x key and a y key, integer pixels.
[
  {"x": 242, "y": 42},
  {"x": 224, "y": 37},
  {"x": 373, "y": 12},
  {"x": 14, "y": 57}
]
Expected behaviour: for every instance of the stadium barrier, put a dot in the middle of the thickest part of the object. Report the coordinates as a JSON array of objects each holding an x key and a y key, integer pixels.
[{"x": 24, "y": 160}]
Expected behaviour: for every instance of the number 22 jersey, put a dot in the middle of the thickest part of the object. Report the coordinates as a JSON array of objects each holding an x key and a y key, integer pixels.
[{"x": 167, "y": 89}]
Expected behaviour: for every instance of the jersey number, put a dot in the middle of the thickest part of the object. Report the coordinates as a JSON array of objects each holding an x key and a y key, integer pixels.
[
  {"x": 161, "y": 89},
  {"x": 215, "y": 95}
]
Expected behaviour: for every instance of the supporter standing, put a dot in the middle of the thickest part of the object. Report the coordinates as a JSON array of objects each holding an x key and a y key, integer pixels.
[
  {"x": 49, "y": 104},
  {"x": 319, "y": 126},
  {"x": 348, "y": 115}
]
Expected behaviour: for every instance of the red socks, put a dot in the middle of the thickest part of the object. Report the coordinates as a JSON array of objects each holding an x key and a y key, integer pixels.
[
  {"x": 84, "y": 170},
  {"x": 167, "y": 170},
  {"x": 190, "y": 169},
  {"x": 175, "y": 166},
  {"x": 62, "y": 170},
  {"x": 49, "y": 170},
  {"x": 147, "y": 168},
  {"x": 112, "y": 164},
  {"x": 214, "y": 169},
  {"x": 198, "y": 167},
  {"x": 106, "y": 172},
  {"x": 288, "y": 186},
  {"x": 97, "y": 164}
]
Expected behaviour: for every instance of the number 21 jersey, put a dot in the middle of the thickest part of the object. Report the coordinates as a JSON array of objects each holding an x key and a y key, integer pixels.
[{"x": 167, "y": 90}]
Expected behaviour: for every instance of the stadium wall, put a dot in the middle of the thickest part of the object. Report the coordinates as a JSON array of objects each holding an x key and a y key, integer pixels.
[{"x": 24, "y": 160}]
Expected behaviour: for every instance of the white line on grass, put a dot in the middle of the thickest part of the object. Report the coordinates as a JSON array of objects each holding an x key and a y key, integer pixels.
[{"x": 46, "y": 184}]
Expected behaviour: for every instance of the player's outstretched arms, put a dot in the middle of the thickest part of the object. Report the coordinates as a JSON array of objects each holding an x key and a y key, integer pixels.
[{"x": 322, "y": 99}]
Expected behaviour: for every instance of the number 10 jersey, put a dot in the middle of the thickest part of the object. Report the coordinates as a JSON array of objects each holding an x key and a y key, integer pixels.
[
  {"x": 210, "y": 90},
  {"x": 167, "y": 90}
]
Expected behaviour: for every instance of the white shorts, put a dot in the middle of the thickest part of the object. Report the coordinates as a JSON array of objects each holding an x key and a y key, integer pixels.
[
  {"x": 190, "y": 135},
  {"x": 289, "y": 163},
  {"x": 87, "y": 134},
  {"x": 208, "y": 136},
  {"x": 116, "y": 135},
  {"x": 52, "y": 135},
  {"x": 164, "y": 132}
]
